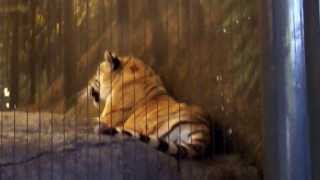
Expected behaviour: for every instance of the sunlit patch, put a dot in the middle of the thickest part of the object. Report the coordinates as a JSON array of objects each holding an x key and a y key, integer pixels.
[
  {"x": 6, "y": 92},
  {"x": 219, "y": 77},
  {"x": 224, "y": 30},
  {"x": 222, "y": 107},
  {"x": 8, "y": 105}
]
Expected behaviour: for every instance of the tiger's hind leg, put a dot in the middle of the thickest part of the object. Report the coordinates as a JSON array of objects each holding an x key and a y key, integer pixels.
[{"x": 194, "y": 137}]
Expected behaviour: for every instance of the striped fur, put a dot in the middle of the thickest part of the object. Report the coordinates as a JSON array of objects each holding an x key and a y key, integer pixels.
[{"x": 135, "y": 103}]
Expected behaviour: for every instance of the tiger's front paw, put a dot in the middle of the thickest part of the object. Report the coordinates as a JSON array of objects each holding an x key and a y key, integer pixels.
[
  {"x": 100, "y": 128},
  {"x": 105, "y": 130}
]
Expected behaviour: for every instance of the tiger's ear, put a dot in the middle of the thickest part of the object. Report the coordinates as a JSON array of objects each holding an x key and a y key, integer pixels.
[{"x": 112, "y": 59}]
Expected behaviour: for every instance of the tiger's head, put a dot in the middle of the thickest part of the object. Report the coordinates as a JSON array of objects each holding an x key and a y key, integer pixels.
[
  {"x": 100, "y": 85},
  {"x": 122, "y": 76}
]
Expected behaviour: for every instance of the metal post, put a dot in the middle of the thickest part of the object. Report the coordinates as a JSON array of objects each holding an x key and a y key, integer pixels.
[
  {"x": 312, "y": 34},
  {"x": 287, "y": 121}
]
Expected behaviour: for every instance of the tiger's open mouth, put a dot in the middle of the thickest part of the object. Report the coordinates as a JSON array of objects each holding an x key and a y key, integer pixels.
[{"x": 95, "y": 94}]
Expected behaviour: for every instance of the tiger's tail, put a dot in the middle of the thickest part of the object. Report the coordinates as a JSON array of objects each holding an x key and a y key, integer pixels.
[{"x": 179, "y": 151}]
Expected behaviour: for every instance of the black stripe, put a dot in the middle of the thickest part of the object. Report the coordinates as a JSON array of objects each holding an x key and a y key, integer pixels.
[
  {"x": 163, "y": 146},
  {"x": 182, "y": 152},
  {"x": 127, "y": 133},
  {"x": 198, "y": 148},
  {"x": 109, "y": 131},
  {"x": 150, "y": 90},
  {"x": 144, "y": 138}
]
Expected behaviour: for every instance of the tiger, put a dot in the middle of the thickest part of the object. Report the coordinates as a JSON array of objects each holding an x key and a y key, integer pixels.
[{"x": 136, "y": 104}]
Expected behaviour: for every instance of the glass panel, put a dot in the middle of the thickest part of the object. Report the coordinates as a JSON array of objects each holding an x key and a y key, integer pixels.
[{"x": 207, "y": 53}]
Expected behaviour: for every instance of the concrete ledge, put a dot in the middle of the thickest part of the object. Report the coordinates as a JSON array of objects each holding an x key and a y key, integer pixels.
[{"x": 69, "y": 150}]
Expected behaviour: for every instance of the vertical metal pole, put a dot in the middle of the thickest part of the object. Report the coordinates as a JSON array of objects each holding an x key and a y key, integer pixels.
[
  {"x": 312, "y": 34},
  {"x": 286, "y": 123}
]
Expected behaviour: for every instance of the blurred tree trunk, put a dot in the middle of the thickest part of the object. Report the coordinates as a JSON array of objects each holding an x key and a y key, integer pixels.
[
  {"x": 23, "y": 60},
  {"x": 31, "y": 64},
  {"x": 159, "y": 44},
  {"x": 122, "y": 24},
  {"x": 102, "y": 14},
  {"x": 51, "y": 62},
  {"x": 69, "y": 52},
  {"x": 14, "y": 63}
]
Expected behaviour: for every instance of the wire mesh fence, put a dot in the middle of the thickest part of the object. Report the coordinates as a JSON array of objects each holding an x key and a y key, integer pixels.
[{"x": 96, "y": 89}]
